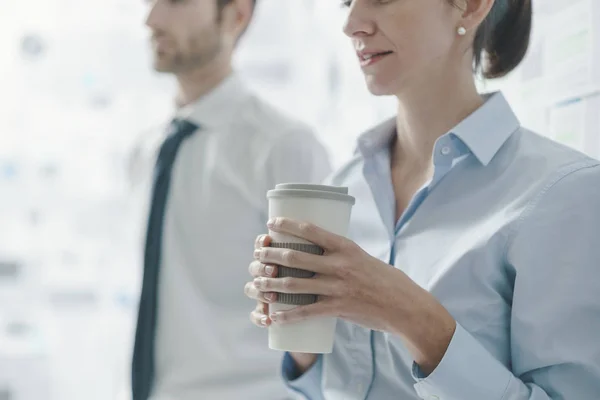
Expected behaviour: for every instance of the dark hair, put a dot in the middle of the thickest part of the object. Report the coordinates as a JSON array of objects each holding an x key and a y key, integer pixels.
[
  {"x": 502, "y": 40},
  {"x": 222, "y": 3}
]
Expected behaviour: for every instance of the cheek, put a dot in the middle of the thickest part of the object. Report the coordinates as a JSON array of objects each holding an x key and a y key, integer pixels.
[
  {"x": 193, "y": 24},
  {"x": 193, "y": 38},
  {"x": 425, "y": 45}
]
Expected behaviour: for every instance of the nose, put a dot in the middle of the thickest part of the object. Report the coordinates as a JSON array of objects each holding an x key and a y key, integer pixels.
[
  {"x": 154, "y": 17},
  {"x": 359, "y": 23}
]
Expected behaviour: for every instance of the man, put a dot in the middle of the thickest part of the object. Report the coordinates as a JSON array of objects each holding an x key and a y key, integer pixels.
[{"x": 222, "y": 152}]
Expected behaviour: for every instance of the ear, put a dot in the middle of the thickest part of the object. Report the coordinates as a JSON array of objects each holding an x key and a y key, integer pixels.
[
  {"x": 474, "y": 12},
  {"x": 236, "y": 16}
]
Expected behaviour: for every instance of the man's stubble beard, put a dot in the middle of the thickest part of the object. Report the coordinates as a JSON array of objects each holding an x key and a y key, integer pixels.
[{"x": 199, "y": 53}]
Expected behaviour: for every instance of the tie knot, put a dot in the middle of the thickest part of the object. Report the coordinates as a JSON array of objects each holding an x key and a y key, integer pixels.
[
  {"x": 182, "y": 127},
  {"x": 178, "y": 131}
]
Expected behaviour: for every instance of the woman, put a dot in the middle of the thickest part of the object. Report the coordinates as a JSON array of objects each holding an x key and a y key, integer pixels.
[{"x": 472, "y": 270}]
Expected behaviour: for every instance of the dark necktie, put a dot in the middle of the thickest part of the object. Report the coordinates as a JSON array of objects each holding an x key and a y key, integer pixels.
[{"x": 142, "y": 374}]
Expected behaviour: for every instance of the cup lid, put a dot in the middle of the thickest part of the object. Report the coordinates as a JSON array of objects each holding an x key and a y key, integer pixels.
[{"x": 305, "y": 190}]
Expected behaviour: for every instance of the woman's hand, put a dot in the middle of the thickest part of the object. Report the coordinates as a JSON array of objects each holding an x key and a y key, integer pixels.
[
  {"x": 258, "y": 270},
  {"x": 259, "y": 316},
  {"x": 354, "y": 286},
  {"x": 350, "y": 283}
]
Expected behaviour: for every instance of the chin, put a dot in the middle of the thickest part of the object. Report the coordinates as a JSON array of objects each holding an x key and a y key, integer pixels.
[
  {"x": 162, "y": 65},
  {"x": 378, "y": 88},
  {"x": 384, "y": 83},
  {"x": 158, "y": 67}
]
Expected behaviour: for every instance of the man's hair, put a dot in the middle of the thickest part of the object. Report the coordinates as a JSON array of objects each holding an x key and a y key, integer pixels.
[{"x": 222, "y": 3}]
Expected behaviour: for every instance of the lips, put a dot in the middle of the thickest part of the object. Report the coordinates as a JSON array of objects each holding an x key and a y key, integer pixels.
[
  {"x": 160, "y": 42},
  {"x": 368, "y": 56}
]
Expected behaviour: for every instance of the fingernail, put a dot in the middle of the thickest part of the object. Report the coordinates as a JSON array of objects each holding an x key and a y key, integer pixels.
[
  {"x": 275, "y": 316},
  {"x": 270, "y": 296},
  {"x": 269, "y": 269},
  {"x": 259, "y": 282},
  {"x": 271, "y": 223},
  {"x": 257, "y": 253},
  {"x": 263, "y": 320}
]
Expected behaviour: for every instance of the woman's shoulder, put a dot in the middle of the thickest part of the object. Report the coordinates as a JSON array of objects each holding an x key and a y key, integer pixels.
[
  {"x": 534, "y": 166},
  {"x": 533, "y": 149}
]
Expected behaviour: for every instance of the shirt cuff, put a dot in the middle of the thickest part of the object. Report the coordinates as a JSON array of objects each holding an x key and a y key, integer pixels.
[
  {"x": 309, "y": 383},
  {"x": 467, "y": 371}
]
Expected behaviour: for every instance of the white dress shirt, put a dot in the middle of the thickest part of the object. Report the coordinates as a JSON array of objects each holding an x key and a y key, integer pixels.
[{"x": 206, "y": 347}]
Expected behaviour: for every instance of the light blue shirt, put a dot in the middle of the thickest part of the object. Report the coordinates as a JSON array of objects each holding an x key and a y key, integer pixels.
[{"x": 505, "y": 236}]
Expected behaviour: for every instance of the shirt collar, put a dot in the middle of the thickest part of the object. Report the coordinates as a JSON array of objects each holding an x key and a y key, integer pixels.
[
  {"x": 486, "y": 130},
  {"x": 216, "y": 107},
  {"x": 377, "y": 138},
  {"x": 483, "y": 132}
]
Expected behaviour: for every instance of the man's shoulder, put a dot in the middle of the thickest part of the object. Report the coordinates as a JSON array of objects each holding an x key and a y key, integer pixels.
[{"x": 266, "y": 121}]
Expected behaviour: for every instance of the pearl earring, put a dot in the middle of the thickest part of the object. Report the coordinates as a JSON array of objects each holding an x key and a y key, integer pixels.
[{"x": 462, "y": 31}]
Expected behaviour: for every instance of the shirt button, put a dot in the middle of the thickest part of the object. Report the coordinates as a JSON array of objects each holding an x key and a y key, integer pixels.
[{"x": 446, "y": 150}]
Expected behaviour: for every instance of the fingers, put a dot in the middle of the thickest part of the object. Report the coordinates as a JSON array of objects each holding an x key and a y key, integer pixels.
[
  {"x": 261, "y": 296},
  {"x": 320, "y": 286},
  {"x": 258, "y": 269},
  {"x": 262, "y": 241},
  {"x": 259, "y": 316},
  {"x": 312, "y": 233},
  {"x": 296, "y": 259},
  {"x": 322, "y": 308}
]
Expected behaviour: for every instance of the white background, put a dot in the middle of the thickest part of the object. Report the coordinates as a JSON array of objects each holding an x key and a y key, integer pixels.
[{"x": 76, "y": 90}]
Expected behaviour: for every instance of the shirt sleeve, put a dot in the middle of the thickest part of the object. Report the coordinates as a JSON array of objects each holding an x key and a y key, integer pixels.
[
  {"x": 555, "y": 346},
  {"x": 308, "y": 385}
]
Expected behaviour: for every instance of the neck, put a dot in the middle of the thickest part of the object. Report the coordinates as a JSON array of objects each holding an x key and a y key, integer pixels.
[
  {"x": 194, "y": 84},
  {"x": 429, "y": 111}
]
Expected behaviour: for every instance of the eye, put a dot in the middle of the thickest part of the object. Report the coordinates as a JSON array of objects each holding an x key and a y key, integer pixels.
[{"x": 348, "y": 3}]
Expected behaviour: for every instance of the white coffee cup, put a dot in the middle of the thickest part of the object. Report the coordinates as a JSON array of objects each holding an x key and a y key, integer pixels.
[{"x": 329, "y": 208}]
